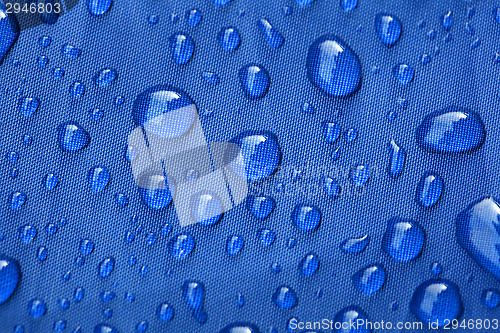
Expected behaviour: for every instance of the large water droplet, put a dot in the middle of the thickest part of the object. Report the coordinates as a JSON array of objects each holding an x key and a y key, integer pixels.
[
  {"x": 259, "y": 155},
  {"x": 306, "y": 217},
  {"x": 348, "y": 315},
  {"x": 10, "y": 273},
  {"x": 106, "y": 267},
  {"x": 28, "y": 106},
  {"x": 478, "y": 232},
  {"x": 72, "y": 137},
  {"x": 260, "y": 206},
  {"x": 9, "y": 30},
  {"x": 98, "y": 178},
  {"x": 272, "y": 35},
  {"x": 165, "y": 111},
  {"x": 254, "y": 80},
  {"x": 436, "y": 300},
  {"x": 229, "y": 38},
  {"x": 99, "y": 7},
  {"x": 102, "y": 328},
  {"x": 37, "y": 308},
  {"x": 370, "y": 279},
  {"x": 285, "y": 297},
  {"x": 181, "y": 246},
  {"x": 182, "y": 46},
  {"x": 333, "y": 67},
  {"x": 429, "y": 189},
  {"x": 194, "y": 294},
  {"x": 240, "y": 328},
  {"x": 403, "y": 239},
  {"x": 397, "y": 157},
  {"x": 451, "y": 130},
  {"x": 355, "y": 245},
  {"x": 18, "y": 199},
  {"x": 309, "y": 264},
  {"x": 388, "y": 28},
  {"x": 348, "y": 5}
]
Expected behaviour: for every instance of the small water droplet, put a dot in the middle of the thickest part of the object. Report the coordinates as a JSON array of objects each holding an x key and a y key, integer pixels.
[
  {"x": 332, "y": 131},
  {"x": 436, "y": 268},
  {"x": 260, "y": 206},
  {"x": 491, "y": 298},
  {"x": 271, "y": 34},
  {"x": 254, "y": 80},
  {"x": 106, "y": 267},
  {"x": 429, "y": 189},
  {"x": 397, "y": 157},
  {"x": 99, "y": 7},
  {"x": 348, "y": 5},
  {"x": 98, "y": 178},
  {"x": 306, "y": 217},
  {"x": 182, "y": 47},
  {"x": 447, "y": 19},
  {"x": 86, "y": 247},
  {"x": 193, "y": 17},
  {"x": 72, "y": 137},
  {"x": 309, "y": 264},
  {"x": 234, "y": 244},
  {"x": 27, "y": 233},
  {"x": 360, "y": 174},
  {"x": 165, "y": 312},
  {"x": 181, "y": 246},
  {"x": 51, "y": 181},
  {"x": 370, "y": 279},
  {"x": 36, "y": 308},
  {"x": 388, "y": 28},
  {"x": 77, "y": 89},
  {"x": 284, "y": 297},
  {"x": 404, "y": 73},
  {"x": 28, "y": 106},
  {"x": 210, "y": 77},
  {"x": 266, "y": 237},
  {"x": 42, "y": 253},
  {"x": 44, "y": 41}
]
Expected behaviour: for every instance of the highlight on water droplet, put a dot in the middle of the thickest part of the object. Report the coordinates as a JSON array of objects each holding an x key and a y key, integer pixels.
[
  {"x": 271, "y": 34},
  {"x": 397, "y": 157},
  {"x": 98, "y": 178},
  {"x": 106, "y": 267},
  {"x": 285, "y": 298},
  {"x": 355, "y": 245}
]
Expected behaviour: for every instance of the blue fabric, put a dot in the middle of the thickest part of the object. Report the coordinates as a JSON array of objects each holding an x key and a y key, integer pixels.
[{"x": 462, "y": 72}]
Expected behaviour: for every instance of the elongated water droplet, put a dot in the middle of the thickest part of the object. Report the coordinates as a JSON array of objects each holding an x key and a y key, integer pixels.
[
  {"x": 254, "y": 80},
  {"x": 86, "y": 247},
  {"x": 182, "y": 47},
  {"x": 99, "y": 7},
  {"x": 491, "y": 298},
  {"x": 355, "y": 245},
  {"x": 429, "y": 189},
  {"x": 27, "y": 233},
  {"x": 333, "y": 67},
  {"x": 194, "y": 294},
  {"x": 106, "y": 267},
  {"x": 28, "y": 106},
  {"x": 72, "y": 137},
  {"x": 10, "y": 274},
  {"x": 309, "y": 264},
  {"x": 285, "y": 297},
  {"x": 447, "y": 19},
  {"x": 370, "y": 279},
  {"x": 165, "y": 312},
  {"x": 98, "y": 178},
  {"x": 193, "y": 17},
  {"x": 388, "y": 28},
  {"x": 332, "y": 131},
  {"x": 18, "y": 200},
  {"x": 403, "y": 239},
  {"x": 397, "y": 157},
  {"x": 51, "y": 181},
  {"x": 271, "y": 34},
  {"x": 436, "y": 300},
  {"x": 229, "y": 38},
  {"x": 451, "y": 130}
]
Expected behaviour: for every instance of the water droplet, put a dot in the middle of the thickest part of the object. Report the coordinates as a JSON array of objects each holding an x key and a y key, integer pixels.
[
  {"x": 285, "y": 297},
  {"x": 59, "y": 325},
  {"x": 28, "y": 106},
  {"x": 333, "y": 67},
  {"x": 388, "y": 28},
  {"x": 151, "y": 238},
  {"x": 67, "y": 276},
  {"x": 27, "y": 233},
  {"x": 234, "y": 244},
  {"x": 72, "y": 137},
  {"x": 266, "y": 237},
  {"x": 309, "y": 264},
  {"x": 181, "y": 246},
  {"x": 10, "y": 273},
  {"x": 348, "y": 315},
  {"x": 470, "y": 12},
  {"x": 58, "y": 72},
  {"x": 403, "y": 239},
  {"x": 397, "y": 157},
  {"x": 86, "y": 247},
  {"x": 194, "y": 294},
  {"x": 429, "y": 189},
  {"x": 165, "y": 312},
  {"x": 447, "y": 20},
  {"x": 99, "y": 7},
  {"x": 475, "y": 43},
  {"x": 206, "y": 208},
  {"x": 155, "y": 191},
  {"x": 436, "y": 300},
  {"x": 193, "y": 17},
  {"x": 355, "y": 245},
  {"x": 404, "y": 73},
  {"x": 121, "y": 199},
  {"x": 360, "y": 174},
  {"x": 303, "y": 3},
  {"x": 254, "y": 80},
  {"x": 332, "y": 131},
  {"x": 221, "y": 2},
  {"x": 102, "y": 328},
  {"x": 210, "y": 77},
  {"x": 259, "y": 155},
  {"x": 77, "y": 89},
  {"x": 107, "y": 296},
  {"x": 129, "y": 297},
  {"x": 370, "y": 279},
  {"x": 107, "y": 313},
  {"x": 44, "y": 41},
  {"x": 166, "y": 229},
  {"x": 119, "y": 100},
  {"x": 491, "y": 298},
  {"x": 51, "y": 181},
  {"x": 425, "y": 59},
  {"x": 63, "y": 303},
  {"x": 260, "y": 206},
  {"x": 436, "y": 268},
  {"x": 331, "y": 187},
  {"x": 348, "y": 5},
  {"x": 43, "y": 60},
  {"x": 351, "y": 134},
  {"x": 306, "y": 217},
  {"x": 153, "y": 19},
  {"x": 78, "y": 295},
  {"x": 287, "y": 10},
  {"x": 308, "y": 108},
  {"x": 336, "y": 154},
  {"x": 469, "y": 28},
  {"x": 71, "y": 51},
  {"x": 271, "y": 34},
  {"x": 98, "y": 178},
  {"x": 240, "y": 327},
  {"x": 105, "y": 77},
  {"x": 478, "y": 232},
  {"x": 42, "y": 253},
  {"x": 37, "y": 308},
  {"x": 182, "y": 46},
  {"x": 18, "y": 199},
  {"x": 290, "y": 243},
  {"x": 106, "y": 267},
  {"x": 19, "y": 329},
  {"x": 9, "y": 30}
]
